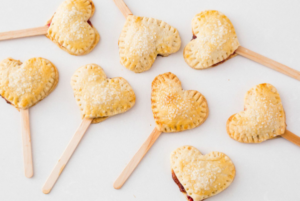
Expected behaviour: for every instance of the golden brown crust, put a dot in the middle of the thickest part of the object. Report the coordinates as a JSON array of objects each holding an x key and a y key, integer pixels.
[
  {"x": 142, "y": 39},
  {"x": 174, "y": 109},
  {"x": 202, "y": 176},
  {"x": 69, "y": 27},
  {"x": 99, "y": 97},
  {"x": 25, "y": 84},
  {"x": 215, "y": 41},
  {"x": 262, "y": 119}
]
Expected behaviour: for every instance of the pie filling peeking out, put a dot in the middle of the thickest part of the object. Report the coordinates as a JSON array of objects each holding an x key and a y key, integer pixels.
[
  {"x": 263, "y": 117},
  {"x": 70, "y": 27},
  {"x": 99, "y": 97},
  {"x": 201, "y": 176},
  {"x": 25, "y": 84},
  {"x": 214, "y": 40},
  {"x": 175, "y": 109},
  {"x": 143, "y": 39}
]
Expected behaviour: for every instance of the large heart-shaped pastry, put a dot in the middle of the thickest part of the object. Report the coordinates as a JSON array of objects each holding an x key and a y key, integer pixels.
[
  {"x": 214, "y": 40},
  {"x": 142, "y": 39},
  {"x": 71, "y": 29},
  {"x": 263, "y": 117},
  {"x": 99, "y": 97},
  {"x": 175, "y": 109},
  {"x": 201, "y": 176},
  {"x": 25, "y": 84}
]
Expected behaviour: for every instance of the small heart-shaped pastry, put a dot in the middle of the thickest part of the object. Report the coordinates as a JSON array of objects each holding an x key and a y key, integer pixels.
[
  {"x": 201, "y": 176},
  {"x": 25, "y": 84},
  {"x": 263, "y": 117},
  {"x": 142, "y": 39},
  {"x": 175, "y": 109},
  {"x": 99, "y": 97},
  {"x": 214, "y": 40},
  {"x": 71, "y": 29}
]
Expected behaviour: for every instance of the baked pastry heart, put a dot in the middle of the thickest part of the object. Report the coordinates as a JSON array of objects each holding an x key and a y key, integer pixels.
[
  {"x": 71, "y": 29},
  {"x": 142, "y": 39},
  {"x": 175, "y": 109},
  {"x": 201, "y": 176},
  {"x": 99, "y": 97},
  {"x": 214, "y": 40},
  {"x": 263, "y": 117},
  {"x": 25, "y": 84}
]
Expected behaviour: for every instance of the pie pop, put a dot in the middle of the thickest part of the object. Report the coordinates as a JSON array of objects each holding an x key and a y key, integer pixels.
[
  {"x": 69, "y": 28},
  {"x": 201, "y": 176},
  {"x": 174, "y": 110},
  {"x": 263, "y": 117},
  {"x": 143, "y": 39},
  {"x": 23, "y": 85},
  {"x": 215, "y": 41},
  {"x": 98, "y": 98}
]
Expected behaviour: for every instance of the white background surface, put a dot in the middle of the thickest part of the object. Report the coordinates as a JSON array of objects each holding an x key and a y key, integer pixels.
[{"x": 265, "y": 172}]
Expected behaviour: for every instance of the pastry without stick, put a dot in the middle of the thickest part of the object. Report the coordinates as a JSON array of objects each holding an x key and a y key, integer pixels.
[
  {"x": 143, "y": 39},
  {"x": 214, "y": 40},
  {"x": 175, "y": 109},
  {"x": 99, "y": 97},
  {"x": 263, "y": 117},
  {"x": 71, "y": 29},
  {"x": 25, "y": 84},
  {"x": 201, "y": 176}
]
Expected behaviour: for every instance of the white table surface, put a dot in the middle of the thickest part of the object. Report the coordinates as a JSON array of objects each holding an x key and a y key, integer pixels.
[{"x": 265, "y": 172}]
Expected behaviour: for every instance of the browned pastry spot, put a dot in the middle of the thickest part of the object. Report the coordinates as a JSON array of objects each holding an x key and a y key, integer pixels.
[{"x": 181, "y": 188}]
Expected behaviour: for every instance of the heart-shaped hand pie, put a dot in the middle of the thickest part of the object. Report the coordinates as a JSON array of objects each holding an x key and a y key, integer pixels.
[
  {"x": 262, "y": 119},
  {"x": 214, "y": 40},
  {"x": 201, "y": 176},
  {"x": 99, "y": 97},
  {"x": 142, "y": 39},
  {"x": 71, "y": 29},
  {"x": 175, "y": 109},
  {"x": 25, "y": 84}
]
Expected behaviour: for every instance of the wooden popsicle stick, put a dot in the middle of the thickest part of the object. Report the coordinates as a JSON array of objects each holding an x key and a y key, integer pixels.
[
  {"x": 268, "y": 62},
  {"x": 26, "y": 141},
  {"x": 123, "y": 8},
  {"x": 24, "y": 33},
  {"x": 64, "y": 159},
  {"x": 288, "y": 135},
  {"x": 136, "y": 159}
]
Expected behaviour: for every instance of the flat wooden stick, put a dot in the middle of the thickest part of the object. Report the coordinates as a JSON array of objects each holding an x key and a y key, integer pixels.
[
  {"x": 268, "y": 62},
  {"x": 24, "y": 33},
  {"x": 136, "y": 159},
  {"x": 288, "y": 135},
  {"x": 64, "y": 159},
  {"x": 26, "y": 141},
  {"x": 123, "y": 8}
]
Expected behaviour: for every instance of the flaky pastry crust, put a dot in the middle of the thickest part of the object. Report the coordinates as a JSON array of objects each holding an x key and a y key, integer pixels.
[
  {"x": 174, "y": 109},
  {"x": 70, "y": 29},
  {"x": 142, "y": 39},
  {"x": 99, "y": 97},
  {"x": 263, "y": 117},
  {"x": 25, "y": 84},
  {"x": 202, "y": 176},
  {"x": 215, "y": 41}
]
